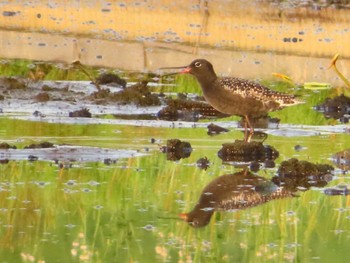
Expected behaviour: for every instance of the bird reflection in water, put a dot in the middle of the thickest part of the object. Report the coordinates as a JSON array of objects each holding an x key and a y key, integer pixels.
[{"x": 233, "y": 191}]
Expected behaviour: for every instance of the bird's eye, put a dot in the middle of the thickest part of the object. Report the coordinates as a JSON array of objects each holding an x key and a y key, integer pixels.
[{"x": 197, "y": 64}]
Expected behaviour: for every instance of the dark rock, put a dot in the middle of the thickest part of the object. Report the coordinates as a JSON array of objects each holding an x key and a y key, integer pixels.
[{"x": 82, "y": 113}]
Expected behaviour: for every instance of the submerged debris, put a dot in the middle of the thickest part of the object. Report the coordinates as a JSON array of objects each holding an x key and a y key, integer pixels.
[
  {"x": 337, "y": 108},
  {"x": 177, "y": 149},
  {"x": 294, "y": 174},
  {"x": 241, "y": 151},
  {"x": 39, "y": 145},
  {"x": 82, "y": 113},
  {"x": 215, "y": 129}
]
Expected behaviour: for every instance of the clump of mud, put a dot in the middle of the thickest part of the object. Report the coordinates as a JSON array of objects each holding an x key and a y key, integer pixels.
[
  {"x": 42, "y": 97},
  {"x": 82, "y": 113},
  {"x": 301, "y": 175},
  {"x": 5, "y": 145},
  {"x": 110, "y": 78},
  {"x": 138, "y": 94},
  {"x": 12, "y": 83},
  {"x": 177, "y": 149},
  {"x": 337, "y": 108},
  {"x": 39, "y": 145},
  {"x": 241, "y": 151}
]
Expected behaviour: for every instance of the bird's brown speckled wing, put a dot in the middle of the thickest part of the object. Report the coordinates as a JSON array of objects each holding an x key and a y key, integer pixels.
[{"x": 250, "y": 89}]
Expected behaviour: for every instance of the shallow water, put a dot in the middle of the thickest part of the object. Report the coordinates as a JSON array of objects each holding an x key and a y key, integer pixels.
[
  {"x": 107, "y": 193},
  {"x": 110, "y": 189}
]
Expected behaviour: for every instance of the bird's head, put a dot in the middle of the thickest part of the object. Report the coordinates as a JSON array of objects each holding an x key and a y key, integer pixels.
[
  {"x": 197, "y": 219},
  {"x": 199, "y": 68},
  {"x": 202, "y": 69}
]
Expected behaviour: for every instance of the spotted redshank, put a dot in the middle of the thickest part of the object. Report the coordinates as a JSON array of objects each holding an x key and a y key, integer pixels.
[{"x": 236, "y": 96}]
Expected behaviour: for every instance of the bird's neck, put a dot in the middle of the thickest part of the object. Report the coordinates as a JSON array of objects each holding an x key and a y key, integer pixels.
[{"x": 207, "y": 80}]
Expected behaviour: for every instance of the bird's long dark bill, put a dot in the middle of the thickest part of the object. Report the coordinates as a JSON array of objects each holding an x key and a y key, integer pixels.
[{"x": 185, "y": 69}]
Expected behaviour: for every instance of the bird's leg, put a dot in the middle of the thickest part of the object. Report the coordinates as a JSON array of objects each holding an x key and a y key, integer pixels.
[
  {"x": 251, "y": 129},
  {"x": 245, "y": 129}
]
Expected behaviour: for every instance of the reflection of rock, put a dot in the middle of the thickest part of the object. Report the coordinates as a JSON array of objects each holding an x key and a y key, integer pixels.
[
  {"x": 176, "y": 149},
  {"x": 337, "y": 190},
  {"x": 241, "y": 151},
  {"x": 203, "y": 163},
  {"x": 233, "y": 191},
  {"x": 172, "y": 114},
  {"x": 342, "y": 159},
  {"x": 294, "y": 174},
  {"x": 336, "y": 108},
  {"x": 215, "y": 129}
]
